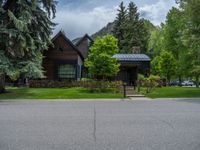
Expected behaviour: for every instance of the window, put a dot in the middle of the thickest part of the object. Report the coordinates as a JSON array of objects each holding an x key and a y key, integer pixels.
[{"x": 67, "y": 71}]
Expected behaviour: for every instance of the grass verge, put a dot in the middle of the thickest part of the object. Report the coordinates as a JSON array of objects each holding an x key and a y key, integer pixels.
[
  {"x": 175, "y": 92},
  {"x": 55, "y": 93}
]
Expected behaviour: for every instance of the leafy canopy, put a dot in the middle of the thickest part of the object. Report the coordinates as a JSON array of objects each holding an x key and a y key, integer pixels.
[{"x": 100, "y": 61}]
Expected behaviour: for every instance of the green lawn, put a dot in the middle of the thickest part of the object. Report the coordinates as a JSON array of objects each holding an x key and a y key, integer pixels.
[
  {"x": 175, "y": 92},
  {"x": 54, "y": 93}
]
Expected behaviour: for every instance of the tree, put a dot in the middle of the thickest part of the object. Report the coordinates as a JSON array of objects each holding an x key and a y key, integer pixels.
[
  {"x": 25, "y": 30},
  {"x": 100, "y": 61},
  {"x": 196, "y": 73},
  {"x": 167, "y": 65},
  {"x": 155, "y": 42},
  {"x": 137, "y": 34},
  {"x": 129, "y": 29},
  {"x": 191, "y": 35},
  {"x": 120, "y": 26},
  {"x": 155, "y": 66},
  {"x": 173, "y": 33}
]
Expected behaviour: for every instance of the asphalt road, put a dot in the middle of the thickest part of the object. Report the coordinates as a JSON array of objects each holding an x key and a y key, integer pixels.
[{"x": 95, "y": 125}]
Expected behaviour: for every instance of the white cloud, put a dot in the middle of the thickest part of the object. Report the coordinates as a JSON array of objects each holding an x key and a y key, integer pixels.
[
  {"x": 157, "y": 12},
  {"x": 76, "y": 23}
]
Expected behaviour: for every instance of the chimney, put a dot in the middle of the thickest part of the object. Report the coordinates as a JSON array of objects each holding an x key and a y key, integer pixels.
[{"x": 136, "y": 50}]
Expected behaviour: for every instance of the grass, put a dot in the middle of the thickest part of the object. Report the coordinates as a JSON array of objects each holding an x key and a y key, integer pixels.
[
  {"x": 175, "y": 92},
  {"x": 55, "y": 93}
]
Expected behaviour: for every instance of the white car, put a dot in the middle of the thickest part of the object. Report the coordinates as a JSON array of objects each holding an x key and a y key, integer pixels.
[{"x": 187, "y": 83}]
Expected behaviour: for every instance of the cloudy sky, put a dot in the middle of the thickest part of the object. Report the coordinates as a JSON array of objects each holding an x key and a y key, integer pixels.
[{"x": 77, "y": 17}]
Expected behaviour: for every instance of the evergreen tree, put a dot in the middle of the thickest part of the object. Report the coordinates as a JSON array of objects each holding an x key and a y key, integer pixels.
[
  {"x": 119, "y": 30},
  {"x": 129, "y": 29},
  {"x": 25, "y": 29},
  {"x": 134, "y": 26}
]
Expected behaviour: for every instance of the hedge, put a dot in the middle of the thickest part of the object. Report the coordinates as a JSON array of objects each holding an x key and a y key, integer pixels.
[{"x": 93, "y": 85}]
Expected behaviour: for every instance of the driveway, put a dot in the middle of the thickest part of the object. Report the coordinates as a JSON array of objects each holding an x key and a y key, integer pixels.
[{"x": 100, "y": 125}]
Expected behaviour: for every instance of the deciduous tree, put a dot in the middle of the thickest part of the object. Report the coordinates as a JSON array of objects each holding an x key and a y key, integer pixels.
[
  {"x": 167, "y": 65},
  {"x": 100, "y": 61}
]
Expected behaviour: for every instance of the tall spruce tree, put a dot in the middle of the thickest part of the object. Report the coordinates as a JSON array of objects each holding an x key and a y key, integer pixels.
[
  {"x": 130, "y": 29},
  {"x": 119, "y": 30},
  {"x": 25, "y": 28},
  {"x": 136, "y": 35}
]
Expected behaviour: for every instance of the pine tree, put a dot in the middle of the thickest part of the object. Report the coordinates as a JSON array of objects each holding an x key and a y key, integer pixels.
[
  {"x": 136, "y": 35},
  {"x": 25, "y": 28},
  {"x": 129, "y": 29},
  {"x": 119, "y": 30}
]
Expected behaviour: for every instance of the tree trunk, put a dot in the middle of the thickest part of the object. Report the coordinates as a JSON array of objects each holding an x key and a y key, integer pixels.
[
  {"x": 139, "y": 83},
  {"x": 2, "y": 83},
  {"x": 197, "y": 81},
  {"x": 180, "y": 80}
]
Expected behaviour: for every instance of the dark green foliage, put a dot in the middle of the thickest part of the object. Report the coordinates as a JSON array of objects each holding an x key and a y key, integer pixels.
[
  {"x": 119, "y": 30},
  {"x": 25, "y": 30},
  {"x": 136, "y": 35},
  {"x": 129, "y": 29}
]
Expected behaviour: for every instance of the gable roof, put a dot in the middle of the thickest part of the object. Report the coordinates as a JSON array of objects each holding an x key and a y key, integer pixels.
[
  {"x": 77, "y": 41},
  {"x": 60, "y": 33},
  {"x": 132, "y": 57}
]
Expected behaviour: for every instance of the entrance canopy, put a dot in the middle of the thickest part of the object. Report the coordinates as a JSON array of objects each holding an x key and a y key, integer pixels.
[
  {"x": 131, "y": 65},
  {"x": 132, "y": 57}
]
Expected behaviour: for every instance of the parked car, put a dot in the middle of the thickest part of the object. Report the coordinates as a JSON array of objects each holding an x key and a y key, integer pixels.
[
  {"x": 174, "y": 83},
  {"x": 187, "y": 83}
]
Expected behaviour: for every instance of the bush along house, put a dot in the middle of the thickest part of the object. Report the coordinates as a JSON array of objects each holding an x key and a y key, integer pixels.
[{"x": 64, "y": 60}]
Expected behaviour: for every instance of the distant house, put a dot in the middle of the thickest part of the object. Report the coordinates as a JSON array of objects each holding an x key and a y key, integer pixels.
[{"x": 64, "y": 60}]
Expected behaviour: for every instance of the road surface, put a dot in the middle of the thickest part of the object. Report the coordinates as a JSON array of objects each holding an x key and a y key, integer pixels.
[{"x": 100, "y": 125}]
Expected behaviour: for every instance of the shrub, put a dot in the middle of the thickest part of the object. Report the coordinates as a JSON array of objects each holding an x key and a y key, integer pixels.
[
  {"x": 92, "y": 85},
  {"x": 150, "y": 83}
]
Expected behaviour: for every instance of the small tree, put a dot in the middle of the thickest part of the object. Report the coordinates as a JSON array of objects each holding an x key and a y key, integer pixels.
[
  {"x": 155, "y": 66},
  {"x": 196, "y": 73},
  {"x": 167, "y": 64},
  {"x": 100, "y": 61}
]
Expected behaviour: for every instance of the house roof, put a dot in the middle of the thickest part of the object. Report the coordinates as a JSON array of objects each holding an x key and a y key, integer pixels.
[
  {"x": 77, "y": 41},
  {"x": 132, "y": 57},
  {"x": 67, "y": 40}
]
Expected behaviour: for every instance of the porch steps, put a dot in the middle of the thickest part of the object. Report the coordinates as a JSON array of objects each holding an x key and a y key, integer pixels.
[
  {"x": 136, "y": 96},
  {"x": 130, "y": 93}
]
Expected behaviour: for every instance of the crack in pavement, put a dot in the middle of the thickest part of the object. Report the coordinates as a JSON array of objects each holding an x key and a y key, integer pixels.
[{"x": 94, "y": 126}]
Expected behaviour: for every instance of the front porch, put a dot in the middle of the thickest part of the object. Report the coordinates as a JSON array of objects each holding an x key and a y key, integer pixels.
[{"x": 131, "y": 66}]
